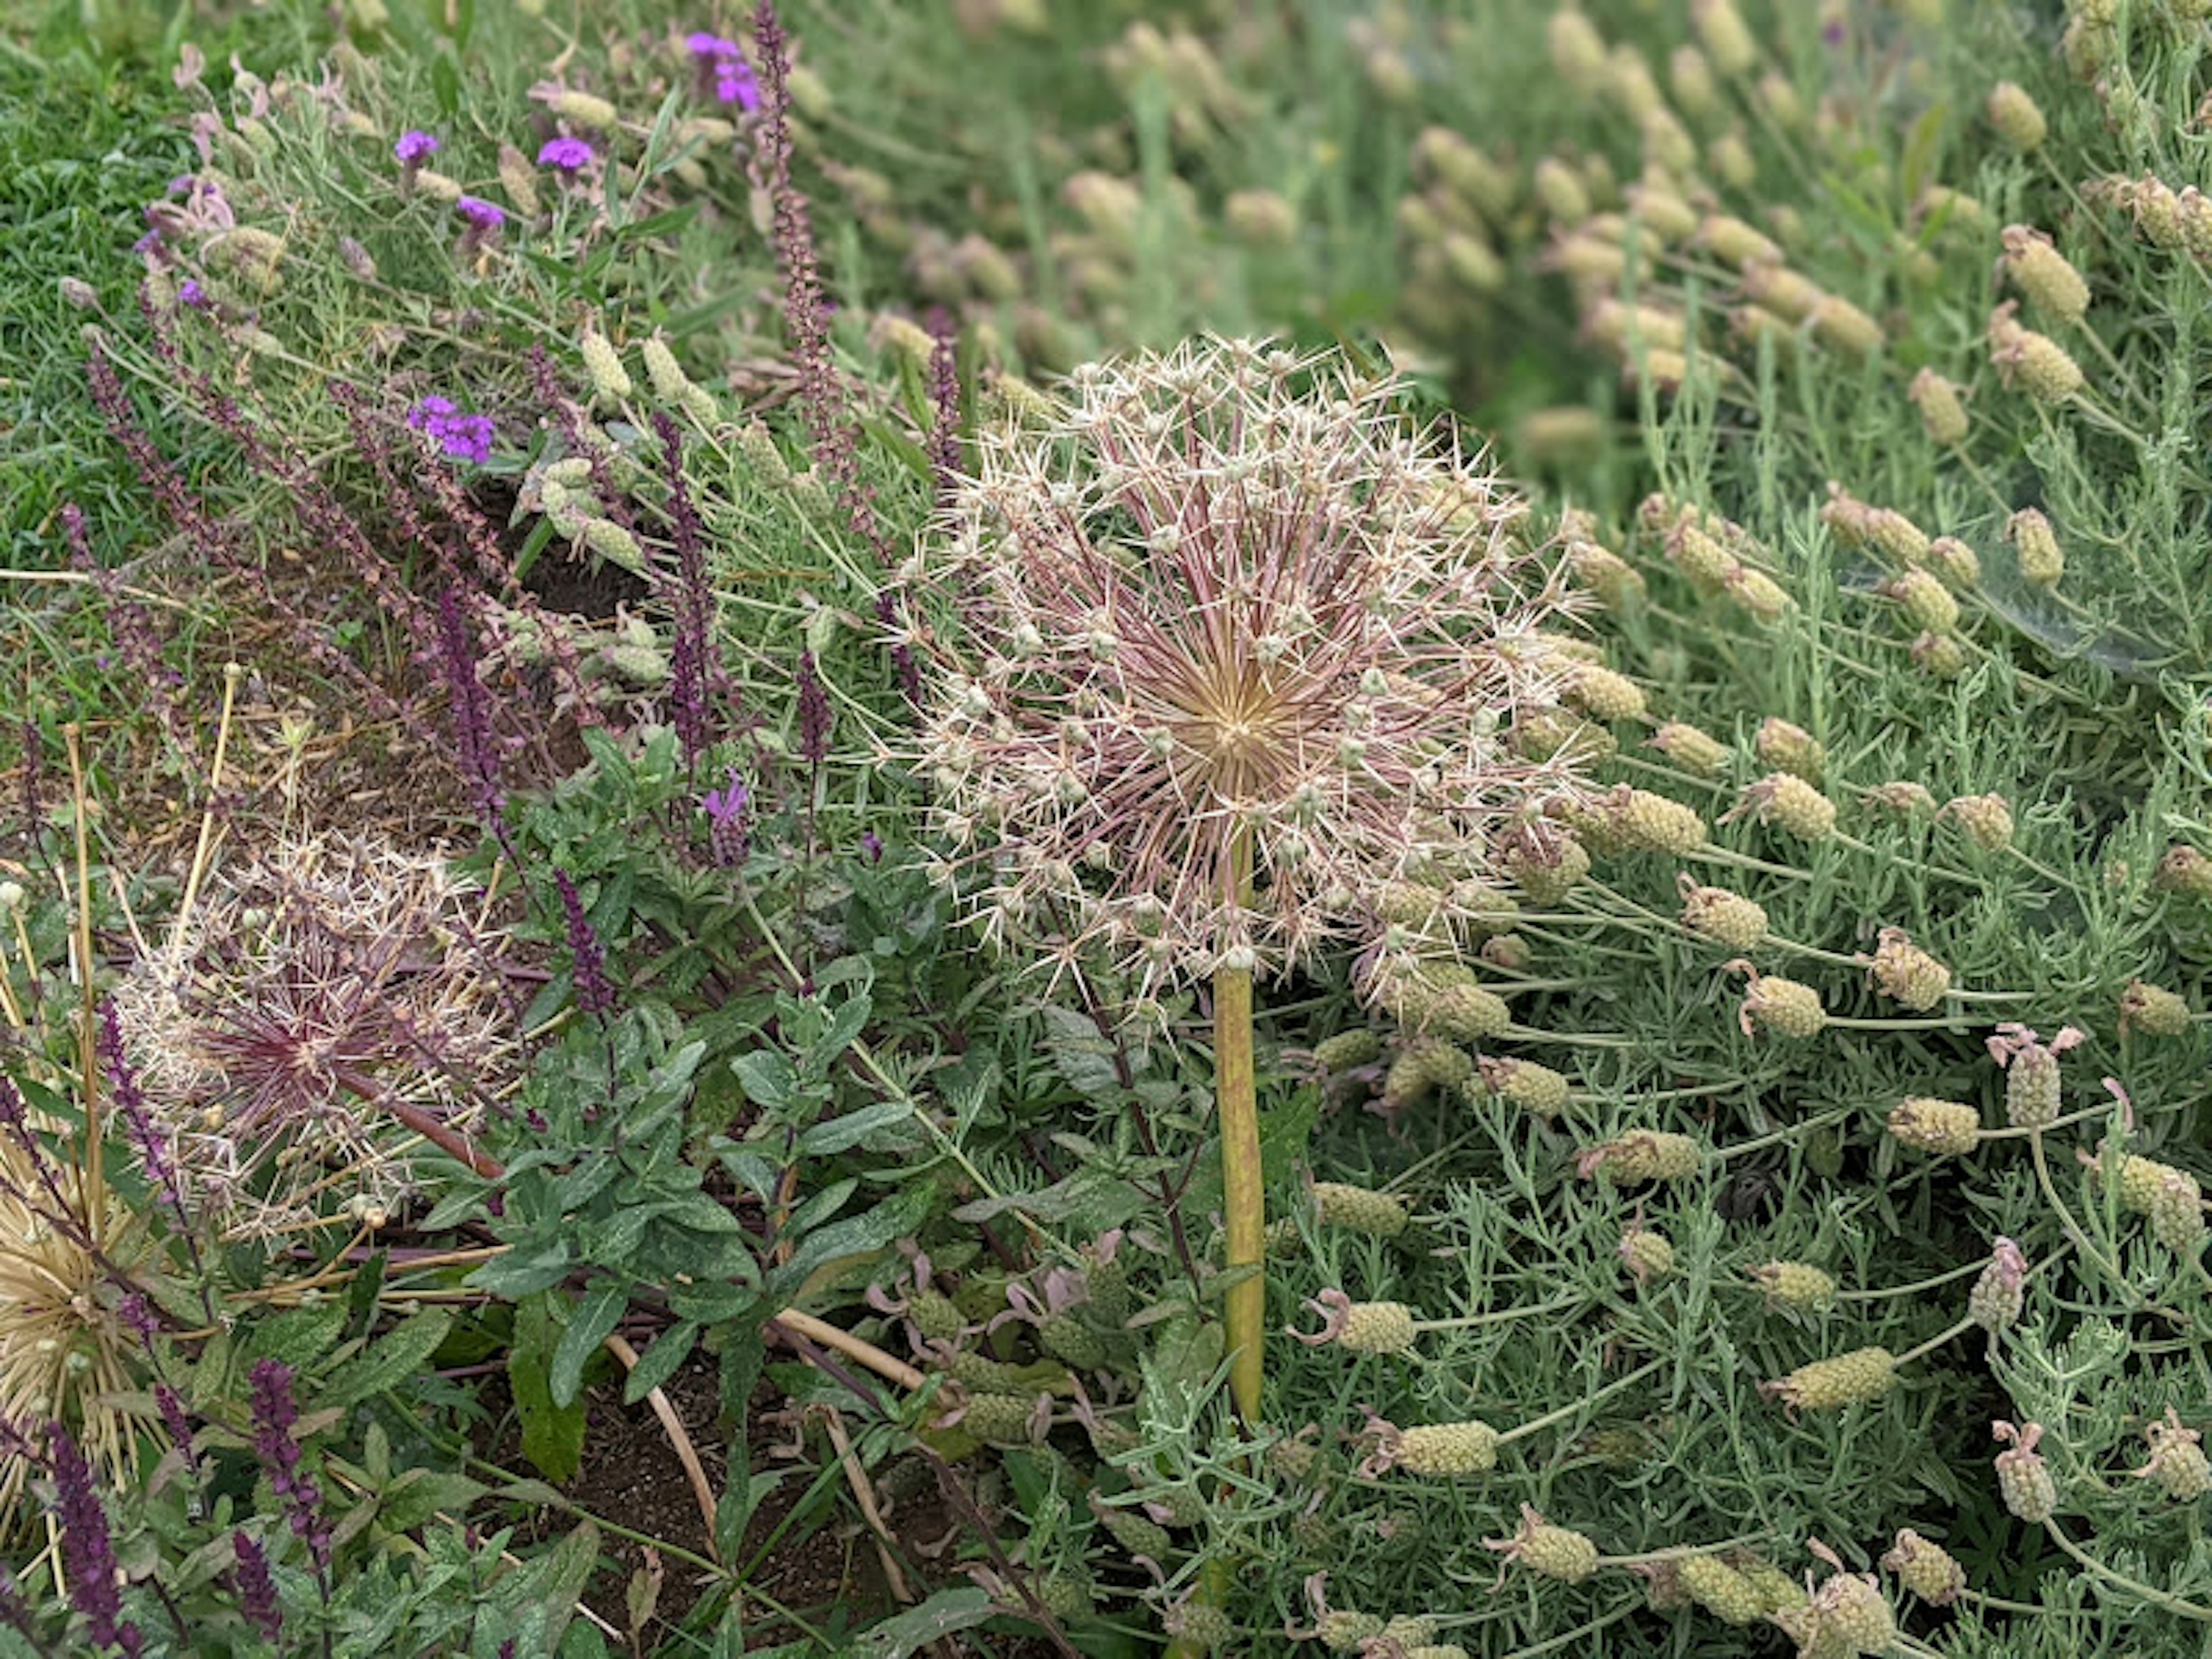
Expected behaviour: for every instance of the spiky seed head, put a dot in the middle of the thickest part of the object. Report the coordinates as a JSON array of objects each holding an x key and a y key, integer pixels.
[
  {"x": 2153, "y": 1011},
  {"x": 1647, "y": 1253},
  {"x": 1784, "y": 1006},
  {"x": 2034, "y": 362},
  {"x": 1926, "y": 1569},
  {"x": 1942, "y": 410},
  {"x": 1553, "y": 1552},
  {"x": 1642, "y": 1155},
  {"x": 2024, "y": 1479},
  {"x": 1348, "y": 1050},
  {"x": 1786, "y": 799},
  {"x": 2042, "y": 562},
  {"x": 2186, "y": 873},
  {"x": 1788, "y": 748},
  {"x": 1447, "y": 1451},
  {"x": 1229, "y": 693},
  {"x": 1850, "y": 1379},
  {"x": 1659, "y": 824},
  {"x": 2041, "y": 272},
  {"x": 1941, "y": 1127},
  {"x": 1724, "y": 917},
  {"x": 1954, "y": 564},
  {"x": 1360, "y": 1209},
  {"x": 1532, "y": 1087},
  {"x": 1926, "y": 603},
  {"x": 1796, "y": 1284},
  {"x": 1720, "y": 1590},
  {"x": 1905, "y": 973},
  {"x": 2016, "y": 116},
  {"x": 2178, "y": 1465},
  {"x": 1987, "y": 819},
  {"x": 1703, "y": 755}
]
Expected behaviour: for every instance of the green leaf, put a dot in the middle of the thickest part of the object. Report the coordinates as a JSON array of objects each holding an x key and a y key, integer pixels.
[
  {"x": 391, "y": 1362},
  {"x": 962, "y": 1608},
  {"x": 553, "y": 1580},
  {"x": 296, "y": 1338},
  {"x": 863, "y": 1234},
  {"x": 658, "y": 1363},
  {"x": 420, "y": 1494},
  {"x": 768, "y": 1077},
  {"x": 552, "y": 1436},
  {"x": 523, "y": 1272},
  {"x": 1079, "y": 1052},
  {"x": 839, "y": 1135},
  {"x": 595, "y": 1316}
]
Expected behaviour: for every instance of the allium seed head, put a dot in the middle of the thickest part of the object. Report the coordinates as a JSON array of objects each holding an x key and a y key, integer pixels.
[{"x": 1318, "y": 617}]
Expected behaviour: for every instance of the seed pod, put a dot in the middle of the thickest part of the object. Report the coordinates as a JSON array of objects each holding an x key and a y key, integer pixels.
[
  {"x": 1927, "y": 604},
  {"x": 1954, "y": 564},
  {"x": 1343, "y": 1631},
  {"x": 1851, "y": 1616},
  {"x": 1796, "y": 1285},
  {"x": 1616, "y": 582},
  {"x": 1411, "y": 1629},
  {"x": 1759, "y": 593},
  {"x": 586, "y": 110},
  {"x": 1508, "y": 952},
  {"x": 1782, "y": 1007},
  {"x": 1788, "y": 748},
  {"x": 1532, "y": 1087},
  {"x": 1720, "y": 31},
  {"x": 2034, "y": 362},
  {"x": 1927, "y": 1569},
  {"x": 1658, "y": 824},
  {"x": 1347, "y": 1050},
  {"x": 518, "y": 179},
  {"x": 1360, "y": 1209},
  {"x": 2185, "y": 872},
  {"x": 1721, "y": 1591},
  {"x": 1999, "y": 1292},
  {"x": 2178, "y": 1465},
  {"x": 1986, "y": 819},
  {"x": 1662, "y": 213},
  {"x": 1942, "y": 414},
  {"x": 2040, "y": 271},
  {"x": 1447, "y": 1451},
  {"x": 1828, "y": 1384},
  {"x": 1783, "y": 291},
  {"x": 1603, "y": 694},
  {"x": 761, "y": 455},
  {"x": 1443, "y": 155},
  {"x": 1778, "y": 93},
  {"x": 2041, "y": 561},
  {"x": 1554, "y": 1552},
  {"x": 1200, "y": 1624},
  {"x": 1730, "y": 157},
  {"x": 1726, "y": 918},
  {"x": 1695, "y": 752},
  {"x": 1643, "y": 1155},
  {"x": 2170, "y": 1197},
  {"x": 1560, "y": 189},
  {"x": 1690, "y": 76},
  {"x": 1427, "y": 1063},
  {"x": 2153, "y": 1011},
  {"x": 1941, "y": 1127},
  {"x": 1002, "y": 1420},
  {"x": 935, "y": 1316},
  {"x": 1704, "y": 562},
  {"x": 1437, "y": 1651},
  {"x": 1668, "y": 145},
  {"x": 1068, "y": 1339},
  {"x": 2015, "y": 117},
  {"x": 1938, "y": 655},
  {"x": 1907, "y": 973},
  {"x": 1466, "y": 1013},
  {"x": 1646, "y": 1253},
  {"x": 1786, "y": 799},
  {"x": 1577, "y": 50},
  {"x": 2023, "y": 1478}
]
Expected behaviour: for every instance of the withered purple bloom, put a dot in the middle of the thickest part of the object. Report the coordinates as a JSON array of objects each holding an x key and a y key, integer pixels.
[{"x": 725, "y": 810}]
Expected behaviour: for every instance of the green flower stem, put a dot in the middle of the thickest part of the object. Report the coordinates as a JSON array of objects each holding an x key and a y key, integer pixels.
[
  {"x": 1566, "y": 1412},
  {"x": 1573, "y": 1039},
  {"x": 1685, "y": 1552},
  {"x": 2157, "y": 1598},
  {"x": 1935, "y": 1342},
  {"x": 1469, "y": 1321}
]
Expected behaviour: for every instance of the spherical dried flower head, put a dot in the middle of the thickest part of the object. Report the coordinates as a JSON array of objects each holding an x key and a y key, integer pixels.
[
  {"x": 1905, "y": 973},
  {"x": 2042, "y": 562},
  {"x": 2000, "y": 1292},
  {"x": 1941, "y": 1127},
  {"x": 2153, "y": 1011},
  {"x": 1786, "y": 799},
  {"x": 1987, "y": 819},
  {"x": 1293, "y": 636},
  {"x": 2177, "y": 1463},
  {"x": 1784, "y": 1006},
  {"x": 2031, "y": 1069},
  {"x": 1726, "y": 918},
  {"x": 2040, "y": 271},
  {"x": 1828, "y": 1384},
  {"x": 2034, "y": 362},
  {"x": 1643, "y": 1155},
  {"x": 2024, "y": 1479},
  {"x": 1943, "y": 412},
  {"x": 2018, "y": 122},
  {"x": 331, "y": 1003},
  {"x": 1362, "y": 1327},
  {"x": 1925, "y": 1569},
  {"x": 1788, "y": 748},
  {"x": 1554, "y": 1552},
  {"x": 1796, "y": 1285}
]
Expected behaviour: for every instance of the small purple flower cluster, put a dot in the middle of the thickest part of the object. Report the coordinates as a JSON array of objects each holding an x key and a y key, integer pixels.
[
  {"x": 567, "y": 154},
  {"x": 464, "y": 437},
  {"x": 725, "y": 810},
  {"x": 594, "y": 995},
  {"x": 413, "y": 147},
  {"x": 274, "y": 1412},
  {"x": 257, "y": 1590},
  {"x": 723, "y": 72},
  {"x": 89, "y": 1548}
]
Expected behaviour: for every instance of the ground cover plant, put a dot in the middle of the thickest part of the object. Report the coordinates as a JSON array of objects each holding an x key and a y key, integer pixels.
[{"x": 1376, "y": 828}]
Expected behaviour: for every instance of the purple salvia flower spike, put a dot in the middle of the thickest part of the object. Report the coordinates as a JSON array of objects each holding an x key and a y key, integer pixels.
[
  {"x": 87, "y": 1547},
  {"x": 815, "y": 719},
  {"x": 594, "y": 995},
  {"x": 257, "y": 1590}
]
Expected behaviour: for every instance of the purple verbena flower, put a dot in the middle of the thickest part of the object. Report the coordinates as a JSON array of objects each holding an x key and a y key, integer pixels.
[
  {"x": 274, "y": 1412},
  {"x": 480, "y": 214},
  {"x": 190, "y": 292},
  {"x": 723, "y": 72},
  {"x": 257, "y": 1590},
  {"x": 734, "y": 84},
  {"x": 702, "y": 43},
  {"x": 873, "y": 845},
  {"x": 463, "y": 437},
  {"x": 569, "y": 155},
  {"x": 413, "y": 146},
  {"x": 594, "y": 995},
  {"x": 88, "y": 1547}
]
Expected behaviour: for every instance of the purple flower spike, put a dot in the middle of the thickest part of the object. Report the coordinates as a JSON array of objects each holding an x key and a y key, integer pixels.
[
  {"x": 480, "y": 214},
  {"x": 274, "y": 1412},
  {"x": 257, "y": 1590},
  {"x": 701, "y": 43},
  {"x": 413, "y": 147},
  {"x": 569, "y": 155},
  {"x": 594, "y": 995},
  {"x": 89, "y": 1548},
  {"x": 873, "y": 845}
]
